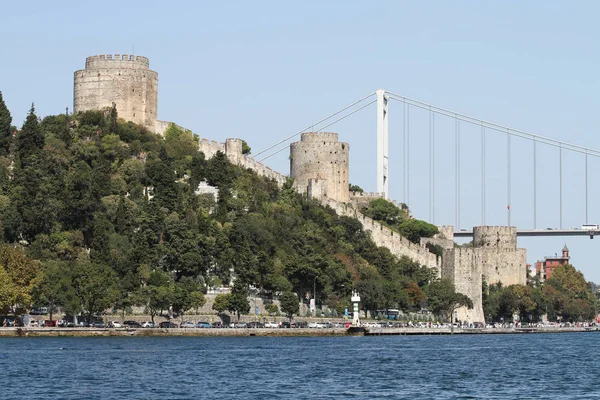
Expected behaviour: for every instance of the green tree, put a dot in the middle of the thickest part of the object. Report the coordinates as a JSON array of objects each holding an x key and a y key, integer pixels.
[
  {"x": 442, "y": 298},
  {"x": 385, "y": 211},
  {"x": 221, "y": 303},
  {"x": 5, "y": 127},
  {"x": 271, "y": 309},
  {"x": 245, "y": 148},
  {"x": 30, "y": 140},
  {"x": 289, "y": 304},
  {"x": 95, "y": 285},
  {"x": 55, "y": 288},
  {"x": 20, "y": 275},
  {"x": 238, "y": 301}
]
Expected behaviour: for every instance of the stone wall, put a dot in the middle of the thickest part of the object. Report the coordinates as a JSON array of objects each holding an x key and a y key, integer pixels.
[
  {"x": 125, "y": 80},
  {"x": 319, "y": 155},
  {"x": 493, "y": 257},
  {"x": 385, "y": 237},
  {"x": 233, "y": 150}
]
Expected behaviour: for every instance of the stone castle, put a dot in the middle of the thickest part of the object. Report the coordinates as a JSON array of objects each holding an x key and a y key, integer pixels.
[
  {"x": 124, "y": 80},
  {"x": 319, "y": 166}
]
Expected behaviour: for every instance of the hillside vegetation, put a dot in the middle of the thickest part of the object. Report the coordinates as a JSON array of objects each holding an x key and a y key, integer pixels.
[{"x": 105, "y": 214}]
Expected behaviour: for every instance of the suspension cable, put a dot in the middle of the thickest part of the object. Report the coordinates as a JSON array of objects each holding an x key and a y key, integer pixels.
[
  {"x": 322, "y": 127},
  {"x": 318, "y": 122},
  {"x": 497, "y": 127}
]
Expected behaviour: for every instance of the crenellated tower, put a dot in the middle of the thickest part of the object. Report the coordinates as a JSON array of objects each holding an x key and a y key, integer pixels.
[
  {"x": 125, "y": 80},
  {"x": 319, "y": 165}
]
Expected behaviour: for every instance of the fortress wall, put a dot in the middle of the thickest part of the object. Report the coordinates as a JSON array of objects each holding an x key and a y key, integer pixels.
[
  {"x": 467, "y": 280},
  {"x": 385, "y": 237},
  {"x": 124, "y": 80},
  {"x": 233, "y": 149}
]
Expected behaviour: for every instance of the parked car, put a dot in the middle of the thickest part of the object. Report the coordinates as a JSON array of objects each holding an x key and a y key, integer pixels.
[
  {"x": 218, "y": 324},
  {"x": 114, "y": 324},
  {"x": 284, "y": 324},
  {"x": 132, "y": 324},
  {"x": 299, "y": 324},
  {"x": 202, "y": 324},
  {"x": 167, "y": 324},
  {"x": 186, "y": 324},
  {"x": 148, "y": 324},
  {"x": 98, "y": 324},
  {"x": 269, "y": 324}
]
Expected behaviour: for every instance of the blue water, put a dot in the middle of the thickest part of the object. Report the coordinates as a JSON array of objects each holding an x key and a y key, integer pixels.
[{"x": 541, "y": 366}]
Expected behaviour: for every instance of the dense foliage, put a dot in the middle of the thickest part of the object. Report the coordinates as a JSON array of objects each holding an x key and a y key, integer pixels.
[
  {"x": 105, "y": 214},
  {"x": 397, "y": 218},
  {"x": 566, "y": 296}
]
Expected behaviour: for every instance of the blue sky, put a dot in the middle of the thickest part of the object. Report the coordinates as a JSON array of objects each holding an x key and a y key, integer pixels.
[{"x": 263, "y": 70}]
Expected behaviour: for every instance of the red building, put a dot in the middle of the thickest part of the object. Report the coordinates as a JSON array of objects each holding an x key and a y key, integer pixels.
[{"x": 546, "y": 268}]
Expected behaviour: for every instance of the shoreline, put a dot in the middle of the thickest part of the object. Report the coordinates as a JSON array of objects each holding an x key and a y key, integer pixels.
[{"x": 272, "y": 332}]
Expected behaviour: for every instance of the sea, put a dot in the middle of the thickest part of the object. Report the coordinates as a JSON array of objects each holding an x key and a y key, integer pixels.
[{"x": 507, "y": 366}]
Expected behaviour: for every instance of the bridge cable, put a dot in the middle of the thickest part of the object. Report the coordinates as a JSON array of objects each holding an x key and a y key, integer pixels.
[
  {"x": 408, "y": 155},
  {"x": 433, "y": 168},
  {"x": 561, "y": 185},
  {"x": 404, "y": 153},
  {"x": 322, "y": 127},
  {"x": 312, "y": 125},
  {"x": 456, "y": 220},
  {"x": 586, "y": 189},
  {"x": 508, "y": 174},
  {"x": 534, "y": 183},
  {"x": 496, "y": 127},
  {"x": 482, "y": 175},
  {"x": 430, "y": 169}
]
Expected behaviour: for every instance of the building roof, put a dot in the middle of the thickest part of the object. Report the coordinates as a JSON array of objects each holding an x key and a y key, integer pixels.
[{"x": 565, "y": 248}]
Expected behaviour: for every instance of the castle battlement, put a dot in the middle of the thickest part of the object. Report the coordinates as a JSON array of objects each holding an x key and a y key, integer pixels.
[
  {"x": 319, "y": 137},
  {"x": 117, "y": 61}
]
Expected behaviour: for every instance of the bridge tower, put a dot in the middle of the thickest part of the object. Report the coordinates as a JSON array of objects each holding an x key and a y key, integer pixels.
[{"x": 382, "y": 143}]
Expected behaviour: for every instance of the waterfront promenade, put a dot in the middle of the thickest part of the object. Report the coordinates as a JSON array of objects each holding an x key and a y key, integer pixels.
[{"x": 57, "y": 332}]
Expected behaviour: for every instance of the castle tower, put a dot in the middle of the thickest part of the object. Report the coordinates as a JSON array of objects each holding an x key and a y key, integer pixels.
[
  {"x": 319, "y": 165},
  {"x": 125, "y": 80}
]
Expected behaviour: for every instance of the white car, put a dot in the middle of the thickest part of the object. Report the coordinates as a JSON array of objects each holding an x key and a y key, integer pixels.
[
  {"x": 271, "y": 325},
  {"x": 148, "y": 324},
  {"x": 114, "y": 324}
]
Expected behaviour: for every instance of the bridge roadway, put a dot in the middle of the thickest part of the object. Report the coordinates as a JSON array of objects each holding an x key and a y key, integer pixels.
[{"x": 541, "y": 232}]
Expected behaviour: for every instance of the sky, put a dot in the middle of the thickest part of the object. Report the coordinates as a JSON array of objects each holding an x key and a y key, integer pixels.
[{"x": 264, "y": 70}]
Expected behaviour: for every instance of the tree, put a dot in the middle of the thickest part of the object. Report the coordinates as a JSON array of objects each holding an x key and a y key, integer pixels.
[
  {"x": 385, "y": 211},
  {"x": 30, "y": 140},
  {"x": 443, "y": 298},
  {"x": 55, "y": 288},
  {"x": 95, "y": 285},
  {"x": 271, "y": 309},
  {"x": 187, "y": 295},
  {"x": 238, "y": 301},
  {"x": 245, "y": 148},
  {"x": 414, "y": 230},
  {"x": 355, "y": 188},
  {"x": 20, "y": 276},
  {"x": 158, "y": 294},
  {"x": 221, "y": 303},
  {"x": 289, "y": 304},
  {"x": 5, "y": 127}
]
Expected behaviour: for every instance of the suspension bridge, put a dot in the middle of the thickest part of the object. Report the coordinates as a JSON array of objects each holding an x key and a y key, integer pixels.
[{"x": 523, "y": 156}]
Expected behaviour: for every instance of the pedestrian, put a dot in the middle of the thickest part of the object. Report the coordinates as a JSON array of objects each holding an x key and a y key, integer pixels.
[{"x": 4, "y": 323}]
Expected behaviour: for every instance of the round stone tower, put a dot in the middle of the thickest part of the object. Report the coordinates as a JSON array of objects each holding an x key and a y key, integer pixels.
[
  {"x": 125, "y": 80},
  {"x": 498, "y": 237},
  {"x": 319, "y": 159}
]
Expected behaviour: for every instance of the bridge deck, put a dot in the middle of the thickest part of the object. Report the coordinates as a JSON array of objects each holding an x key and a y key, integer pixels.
[{"x": 541, "y": 232}]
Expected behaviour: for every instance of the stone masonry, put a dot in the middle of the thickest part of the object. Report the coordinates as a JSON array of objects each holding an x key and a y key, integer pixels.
[
  {"x": 319, "y": 157},
  {"x": 125, "y": 80},
  {"x": 493, "y": 257}
]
